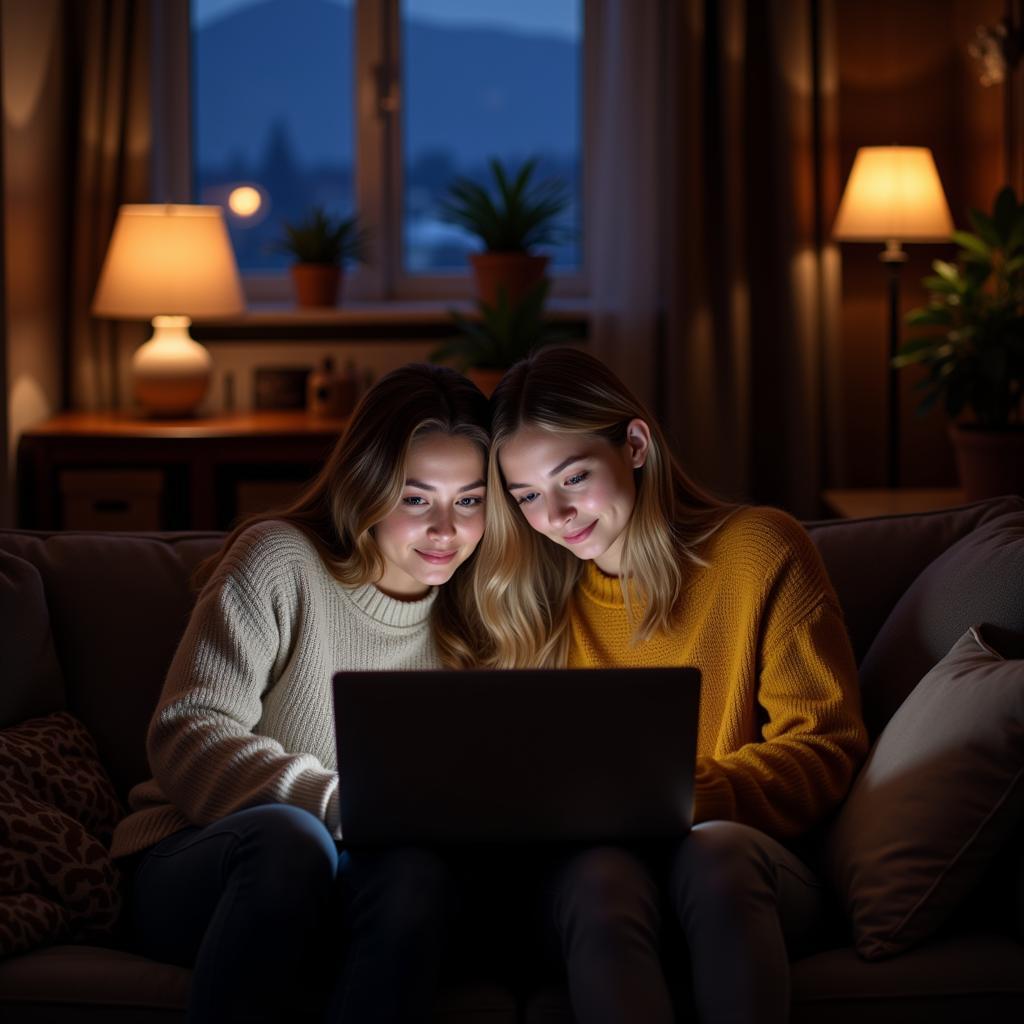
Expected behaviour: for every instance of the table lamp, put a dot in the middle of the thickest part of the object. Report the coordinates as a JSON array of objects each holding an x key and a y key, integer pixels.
[
  {"x": 169, "y": 263},
  {"x": 893, "y": 195}
]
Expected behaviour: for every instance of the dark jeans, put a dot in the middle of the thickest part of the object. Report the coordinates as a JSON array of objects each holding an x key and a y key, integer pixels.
[
  {"x": 273, "y": 917},
  {"x": 738, "y": 900}
]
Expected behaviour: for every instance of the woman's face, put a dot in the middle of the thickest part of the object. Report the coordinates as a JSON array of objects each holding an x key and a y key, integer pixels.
[
  {"x": 576, "y": 489},
  {"x": 439, "y": 518}
]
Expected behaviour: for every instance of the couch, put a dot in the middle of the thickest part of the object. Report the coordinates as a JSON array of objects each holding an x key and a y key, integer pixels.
[{"x": 103, "y": 613}]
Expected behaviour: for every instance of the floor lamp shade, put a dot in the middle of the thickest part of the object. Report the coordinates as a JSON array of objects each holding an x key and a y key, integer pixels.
[
  {"x": 893, "y": 195},
  {"x": 169, "y": 263},
  {"x": 893, "y": 192}
]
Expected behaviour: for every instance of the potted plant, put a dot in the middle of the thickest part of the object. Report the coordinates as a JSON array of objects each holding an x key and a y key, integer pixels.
[
  {"x": 502, "y": 334},
  {"x": 511, "y": 219},
  {"x": 973, "y": 348},
  {"x": 322, "y": 245}
]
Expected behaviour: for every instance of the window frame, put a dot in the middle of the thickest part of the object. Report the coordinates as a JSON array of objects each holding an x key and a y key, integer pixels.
[{"x": 377, "y": 95}]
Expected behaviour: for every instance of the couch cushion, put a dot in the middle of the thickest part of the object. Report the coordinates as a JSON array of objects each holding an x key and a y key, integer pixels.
[
  {"x": 75, "y": 983},
  {"x": 958, "y": 979},
  {"x": 57, "y": 814},
  {"x": 31, "y": 683},
  {"x": 855, "y": 551},
  {"x": 118, "y": 606},
  {"x": 940, "y": 792},
  {"x": 978, "y": 579}
]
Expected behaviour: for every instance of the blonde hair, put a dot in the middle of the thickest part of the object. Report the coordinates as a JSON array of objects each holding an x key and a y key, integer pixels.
[
  {"x": 522, "y": 582},
  {"x": 362, "y": 481}
]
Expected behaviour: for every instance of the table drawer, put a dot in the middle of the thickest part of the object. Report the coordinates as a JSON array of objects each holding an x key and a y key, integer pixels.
[{"x": 111, "y": 499}]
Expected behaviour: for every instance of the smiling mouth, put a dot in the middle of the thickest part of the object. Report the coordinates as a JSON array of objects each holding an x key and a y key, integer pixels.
[
  {"x": 582, "y": 535},
  {"x": 436, "y": 557}
]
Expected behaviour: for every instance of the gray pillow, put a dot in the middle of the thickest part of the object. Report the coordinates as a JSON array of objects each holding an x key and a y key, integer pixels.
[
  {"x": 978, "y": 579},
  {"x": 31, "y": 682},
  {"x": 941, "y": 791}
]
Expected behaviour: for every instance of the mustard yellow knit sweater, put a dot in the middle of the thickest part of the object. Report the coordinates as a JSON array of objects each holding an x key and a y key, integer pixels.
[{"x": 780, "y": 732}]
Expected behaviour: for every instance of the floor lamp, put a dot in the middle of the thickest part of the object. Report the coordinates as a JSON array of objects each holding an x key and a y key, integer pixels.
[{"x": 893, "y": 195}]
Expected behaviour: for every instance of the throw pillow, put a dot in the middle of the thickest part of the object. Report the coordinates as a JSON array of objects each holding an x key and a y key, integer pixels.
[
  {"x": 57, "y": 813},
  {"x": 978, "y": 579},
  {"x": 941, "y": 791}
]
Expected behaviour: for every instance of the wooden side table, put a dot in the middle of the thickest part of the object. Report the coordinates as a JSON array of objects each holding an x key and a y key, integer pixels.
[
  {"x": 112, "y": 471},
  {"x": 858, "y": 502}
]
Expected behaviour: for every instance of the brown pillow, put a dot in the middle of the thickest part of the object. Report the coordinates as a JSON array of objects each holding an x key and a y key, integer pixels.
[
  {"x": 57, "y": 813},
  {"x": 940, "y": 792}
]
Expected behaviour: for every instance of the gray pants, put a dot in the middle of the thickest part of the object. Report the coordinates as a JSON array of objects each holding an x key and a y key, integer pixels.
[{"x": 741, "y": 900}]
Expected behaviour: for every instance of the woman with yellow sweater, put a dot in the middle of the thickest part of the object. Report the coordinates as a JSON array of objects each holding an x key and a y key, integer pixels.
[{"x": 604, "y": 553}]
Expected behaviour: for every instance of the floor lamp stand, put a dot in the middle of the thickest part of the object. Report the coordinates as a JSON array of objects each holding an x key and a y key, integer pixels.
[{"x": 893, "y": 256}]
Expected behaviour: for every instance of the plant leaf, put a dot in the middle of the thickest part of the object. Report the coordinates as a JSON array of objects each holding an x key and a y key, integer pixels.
[
  {"x": 1005, "y": 213},
  {"x": 972, "y": 243},
  {"x": 986, "y": 227}
]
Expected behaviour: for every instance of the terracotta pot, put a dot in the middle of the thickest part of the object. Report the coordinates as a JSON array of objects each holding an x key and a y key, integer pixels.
[
  {"x": 316, "y": 284},
  {"x": 990, "y": 462},
  {"x": 485, "y": 380},
  {"x": 516, "y": 272}
]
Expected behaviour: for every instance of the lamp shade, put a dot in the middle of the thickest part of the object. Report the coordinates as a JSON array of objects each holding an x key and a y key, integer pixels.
[
  {"x": 168, "y": 259},
  {"x": 894, "y": 192}
]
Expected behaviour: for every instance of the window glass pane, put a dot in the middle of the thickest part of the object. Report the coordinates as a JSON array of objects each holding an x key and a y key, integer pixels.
[
  {"x": 272, "y": 115},
  {"x": 482, "y": 79}
]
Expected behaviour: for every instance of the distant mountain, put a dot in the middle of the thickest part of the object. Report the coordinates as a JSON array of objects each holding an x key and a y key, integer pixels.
[{"x": 473, "y": 92}]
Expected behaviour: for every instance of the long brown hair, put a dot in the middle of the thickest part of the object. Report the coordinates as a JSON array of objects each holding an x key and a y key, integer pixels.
[
  {"x": 522, "y": 582},
  {"x": 362, "y": 481}
]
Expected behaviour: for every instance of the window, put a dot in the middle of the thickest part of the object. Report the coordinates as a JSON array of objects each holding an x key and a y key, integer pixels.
[
  {"x": 272, "y": 116},
  {"x": 375, "y": 106}
]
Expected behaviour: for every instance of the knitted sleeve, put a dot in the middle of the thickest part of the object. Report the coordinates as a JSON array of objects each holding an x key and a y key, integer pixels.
[
  {"x": 203, "y": 750},
  {"x": 813, "y": 736}
]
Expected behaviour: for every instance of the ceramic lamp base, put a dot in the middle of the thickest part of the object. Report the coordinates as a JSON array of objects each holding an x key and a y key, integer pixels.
[{"x": 171, "y": 371}]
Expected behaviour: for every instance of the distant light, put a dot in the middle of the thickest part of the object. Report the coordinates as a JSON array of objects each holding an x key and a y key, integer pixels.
[{"x": 245, "y": 201}]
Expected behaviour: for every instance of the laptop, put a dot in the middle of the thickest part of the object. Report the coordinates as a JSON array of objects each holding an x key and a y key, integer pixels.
[{"x": 516, "y": 756}]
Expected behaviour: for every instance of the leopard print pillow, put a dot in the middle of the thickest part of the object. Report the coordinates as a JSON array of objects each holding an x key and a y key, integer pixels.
[{"x": 58, "y": 810}]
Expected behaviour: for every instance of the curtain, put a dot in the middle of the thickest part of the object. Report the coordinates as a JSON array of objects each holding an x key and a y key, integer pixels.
[
  {"x": 6, "y": 489},
  {"x": 624, "y": 178},
  {"x": 753, "y": 287},
  {"x": 111, "y": 123},
  {"x": 714, "y": 293}
]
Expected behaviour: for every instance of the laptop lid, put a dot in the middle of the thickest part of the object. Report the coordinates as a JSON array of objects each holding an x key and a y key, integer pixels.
[{"x": 524, "y": 755}]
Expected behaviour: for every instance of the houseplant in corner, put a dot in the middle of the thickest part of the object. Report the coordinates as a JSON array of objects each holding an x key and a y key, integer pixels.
[
  {"x": 500, "y": 335},
  {"x": 321, "y": 246},
  {"x": 511, "y": 219},
  {"x": 973, "y": 348}
]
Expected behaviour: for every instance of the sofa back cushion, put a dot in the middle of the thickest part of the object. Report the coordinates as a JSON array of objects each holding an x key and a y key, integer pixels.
[
  {"x": 31, "y": 682},
  {"x": 978, "y": 579},
  {"x": 872, "y": 562},
  {"x": 118, "y": 605}
]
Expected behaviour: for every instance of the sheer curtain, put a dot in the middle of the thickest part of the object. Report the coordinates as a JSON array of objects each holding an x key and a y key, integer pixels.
[
  {"x": 713, "y": 288},
  {"x": 626, "y": 162}
]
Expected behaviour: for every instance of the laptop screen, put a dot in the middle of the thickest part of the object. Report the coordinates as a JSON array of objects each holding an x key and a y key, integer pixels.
[{"x": 523, "y": 755}]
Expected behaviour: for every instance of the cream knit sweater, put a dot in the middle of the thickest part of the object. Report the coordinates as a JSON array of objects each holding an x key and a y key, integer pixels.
[{"x": 246, "y": 713}]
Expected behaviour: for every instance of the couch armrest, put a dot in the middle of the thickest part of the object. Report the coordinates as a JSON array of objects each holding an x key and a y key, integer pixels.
[{"x": 1018, "y": 885}]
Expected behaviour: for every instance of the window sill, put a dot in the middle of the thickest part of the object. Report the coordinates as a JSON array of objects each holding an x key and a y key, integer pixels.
[{"x": 364, "y": 321}]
